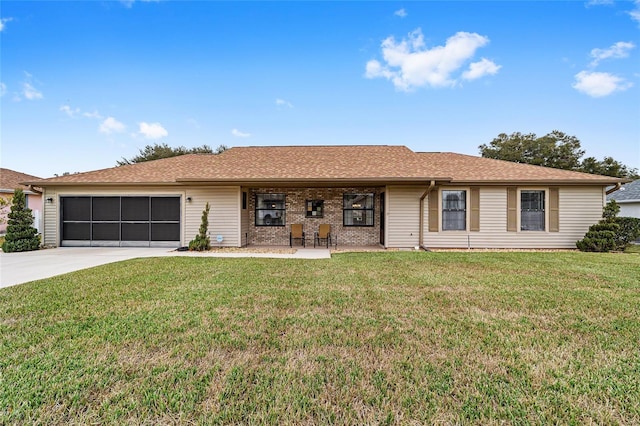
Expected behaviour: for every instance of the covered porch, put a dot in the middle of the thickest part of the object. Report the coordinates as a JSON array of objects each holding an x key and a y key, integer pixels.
[{"x": 353, "y": 215}]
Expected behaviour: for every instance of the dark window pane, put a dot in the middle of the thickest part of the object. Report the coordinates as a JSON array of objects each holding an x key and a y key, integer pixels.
[
  {"x": 135, "y": 208},
  {"x": 165, "y": 232},
  {"x": 454, "y": 220},
  {"x": 106, "y": 232},
  {"x": 454, "y": 210},
  {"x": 76, "y": 208},
  {"x": 358, "y": 218},
  {"x": 165, "y": 208},
  {"x": 270, "y": 209},
  {"x": 135, "y": 232},
  {"x": 76, "y": 231},
  {"x": 358, "y": 201},
  {"x": 532, "y": 211},
  {"x": 106, "y": 208}
]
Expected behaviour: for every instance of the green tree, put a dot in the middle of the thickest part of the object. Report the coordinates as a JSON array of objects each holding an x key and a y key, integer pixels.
[
  {"x": 21, "y": 235},
  {"x": 556, "y": 149},
  {"x": 608, "y": 167},
  {"x": 202, "y": 242},
  {"x": 158, "y": 151}
]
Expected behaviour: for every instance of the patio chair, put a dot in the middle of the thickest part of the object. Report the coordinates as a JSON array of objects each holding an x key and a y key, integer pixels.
[
  {"x": 323, "y": 234},
  {"x": 296, "y": 234}
]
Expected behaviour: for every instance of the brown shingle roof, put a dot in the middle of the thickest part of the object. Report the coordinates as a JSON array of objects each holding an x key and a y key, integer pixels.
[
  {"x": 11, "y": 180},
  {"x": 325, "y": 163}
]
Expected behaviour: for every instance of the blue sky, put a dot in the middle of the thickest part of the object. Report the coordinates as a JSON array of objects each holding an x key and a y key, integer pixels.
[{"x": 84, "y": 84}]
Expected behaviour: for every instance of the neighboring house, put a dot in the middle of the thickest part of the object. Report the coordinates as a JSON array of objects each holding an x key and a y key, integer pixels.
[
  {"x": 628, "y": 198},
  {"x": 370, "y": 195},
  {"x": 10, "y": 180}
]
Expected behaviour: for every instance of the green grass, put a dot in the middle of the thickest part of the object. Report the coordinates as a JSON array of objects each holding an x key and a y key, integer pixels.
[
  {"x": 634, "y": 248},
  {"x": 384, "y": 338}
]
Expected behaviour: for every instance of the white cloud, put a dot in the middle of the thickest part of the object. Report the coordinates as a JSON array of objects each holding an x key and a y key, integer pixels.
[
  {"x": 599, "y": 2},
  {"x": 237, "y": 133},
  {"x": 635, "y": 13},
  {"x": 70, "y": 111},
  {"x": 3, "y": 89},
  {"x": 401, "y": 13},
  {"x": 409, "y": 64},
  {"x": 94, "y": 114},
  {"x": 111, "y": 125},
  {"x": 480, "y": 69},
  {"x": 152, "y": 130},
  {"x": 3, "y": 21},
  {"x": 282, "y": 102},
  {"x": 599, "y": 84},
  {"x": 617, "y": 51},
  {"x": 30, "y": 92}
]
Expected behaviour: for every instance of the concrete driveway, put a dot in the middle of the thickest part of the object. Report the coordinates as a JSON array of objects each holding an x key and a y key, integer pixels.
[{"x": 18, "y": 268}]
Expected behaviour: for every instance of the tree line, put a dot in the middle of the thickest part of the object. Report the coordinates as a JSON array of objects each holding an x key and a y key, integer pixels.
[{"x": 555, "y": 149}]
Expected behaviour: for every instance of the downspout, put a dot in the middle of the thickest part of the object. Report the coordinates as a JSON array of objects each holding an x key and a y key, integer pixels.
[
  {"x": 614, "y": 189},
  {"x": 421, "y": 220},
  {"x": 33, "y": 189}
]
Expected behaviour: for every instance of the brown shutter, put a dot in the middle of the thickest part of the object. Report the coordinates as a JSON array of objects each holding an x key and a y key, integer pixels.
[
  {"x": 475, "y": 209},
  {"x": 434, "y": 217},
  {"x": 554, "y": 210},
  {"x": 512, "y": 209}
]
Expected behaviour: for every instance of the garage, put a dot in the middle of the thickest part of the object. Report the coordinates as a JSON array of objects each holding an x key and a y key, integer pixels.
[{"x": 120, "y": 221}]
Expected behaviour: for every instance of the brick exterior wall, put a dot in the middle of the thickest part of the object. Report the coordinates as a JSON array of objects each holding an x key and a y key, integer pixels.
[{"x": 296, "y": 213}]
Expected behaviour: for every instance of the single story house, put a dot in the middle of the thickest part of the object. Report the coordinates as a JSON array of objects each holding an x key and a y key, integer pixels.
[
  {"x": 628, "y": 198},
  {"x": 369, "y": 195},
  {"x": 10, "y": 180}
]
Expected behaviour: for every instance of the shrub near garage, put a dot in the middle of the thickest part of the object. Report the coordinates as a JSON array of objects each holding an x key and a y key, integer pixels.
[{"x": 21, "y": 235}]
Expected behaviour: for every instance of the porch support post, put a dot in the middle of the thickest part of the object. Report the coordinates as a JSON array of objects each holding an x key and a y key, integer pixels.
[{"x": 421, "y": 220}]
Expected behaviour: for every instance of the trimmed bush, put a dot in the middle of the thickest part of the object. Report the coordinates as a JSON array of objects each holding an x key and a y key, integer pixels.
[
  {"x": 202, "y": 242},
  {"x": 21, "y": 235},
  {"x": 601, "y": 237},
  {"x": 611, "y": 233},
  {"x": 629, "y": 231}
]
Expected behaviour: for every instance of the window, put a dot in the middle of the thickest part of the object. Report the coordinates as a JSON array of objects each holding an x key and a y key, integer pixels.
[
  {"x": 315, "y": 208},
  {"x": 358, "y": 210},
  {"x": 454, "y": 210},
  {"x": 270, "y": 209},
  {"x": 532, "y": 211},
  {"x": 244, "y": 200}
]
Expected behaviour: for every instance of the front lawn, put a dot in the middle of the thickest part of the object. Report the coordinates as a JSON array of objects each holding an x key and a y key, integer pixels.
[{"x": 366, "y": 338}]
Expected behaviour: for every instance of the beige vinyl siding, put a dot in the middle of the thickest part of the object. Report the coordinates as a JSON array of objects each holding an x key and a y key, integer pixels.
[
  {"x": 579, "y": 207},
  {"x": 224, "y": 218},
  {"x": 51, "y": 218},
  {"x": 402, "y": 215}
]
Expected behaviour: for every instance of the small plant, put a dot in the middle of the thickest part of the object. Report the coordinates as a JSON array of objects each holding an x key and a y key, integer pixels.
[
  {"x": 202, "y": 242},
  {"x": 21, "y": 235},
  {"x": 611, "y": 233}
]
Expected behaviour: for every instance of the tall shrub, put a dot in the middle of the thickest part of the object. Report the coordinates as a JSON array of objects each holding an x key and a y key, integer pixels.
[
  {"x": 612, "y": 232},
  {"x": 21, "y": 235},
  {"x": 202, "y": 242}
]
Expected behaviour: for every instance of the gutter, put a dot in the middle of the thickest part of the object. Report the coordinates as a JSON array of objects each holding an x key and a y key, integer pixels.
[
  {"x": 614, "y": 189},
  {"x": 421, "y": 219}
]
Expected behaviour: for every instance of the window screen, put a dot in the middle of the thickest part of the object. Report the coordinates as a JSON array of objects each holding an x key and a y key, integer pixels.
[
  {"x": 106, "y": 208},
  {"x": 76, "y": 208},
  {"x": 135, "y": 208},
  {"x": 165, "y": 209}
]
